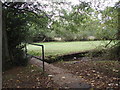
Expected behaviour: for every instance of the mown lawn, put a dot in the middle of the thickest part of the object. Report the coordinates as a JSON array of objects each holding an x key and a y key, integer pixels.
[{"x": 61, "y": 48}]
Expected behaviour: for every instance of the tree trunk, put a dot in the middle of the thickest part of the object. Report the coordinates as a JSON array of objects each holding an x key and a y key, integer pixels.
[{"x": 5, "y": 51}]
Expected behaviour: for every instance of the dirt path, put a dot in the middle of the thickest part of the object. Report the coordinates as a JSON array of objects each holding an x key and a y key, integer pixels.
[{"x": 61, "y": 76}]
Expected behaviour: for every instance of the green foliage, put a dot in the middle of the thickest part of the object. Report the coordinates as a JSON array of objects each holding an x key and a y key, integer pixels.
[
  {"x": 20, "y": 58},
  {"x": 19, "y": 20},
  {"x": 26, "y": 22},
  {"x": 82, "y": 21},
  {"x": 37, "y": 53},
  {"x": 110, "y": 25},
  {"x": 51, "y": 59},
  {"x": 111, "y": 52},
  {"x": 114, "y": 51},
  {"x": 15, "y": 26},
  {"x": 16, "y": 30},
  {"x": 37, "y": 28}
]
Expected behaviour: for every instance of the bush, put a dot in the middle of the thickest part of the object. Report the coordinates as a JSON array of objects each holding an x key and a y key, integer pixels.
[
  {"x": 110, "y": 53},
  {"x": 96, "y": 53},
  {"x": 115, "y": 52},
  {"x": 20, "y": 58}
]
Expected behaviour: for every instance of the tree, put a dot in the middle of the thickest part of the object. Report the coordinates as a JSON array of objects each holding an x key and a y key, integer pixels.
[
  {"x": 109, "y": 20},
  {"x": 17, "y": 17},
  {"x": 77, "y": 24}
]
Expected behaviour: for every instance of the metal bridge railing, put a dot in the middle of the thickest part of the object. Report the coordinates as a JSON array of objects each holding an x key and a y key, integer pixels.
[{"x": 43, "y": 54}]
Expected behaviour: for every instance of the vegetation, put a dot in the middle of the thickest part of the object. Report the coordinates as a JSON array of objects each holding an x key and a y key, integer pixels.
[
  {"x": 81, "y": 27},
  {"x": 61, "y": 48},
  {"x": 81, "y": 24},
  {"x": 17, "y": 19}
]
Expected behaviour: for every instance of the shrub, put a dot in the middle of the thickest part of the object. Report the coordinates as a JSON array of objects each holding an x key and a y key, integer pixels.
[{"x": 20, "y": 58}]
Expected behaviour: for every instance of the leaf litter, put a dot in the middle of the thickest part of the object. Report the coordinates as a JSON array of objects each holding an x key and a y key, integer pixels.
[{"x": 100, "y": 74}]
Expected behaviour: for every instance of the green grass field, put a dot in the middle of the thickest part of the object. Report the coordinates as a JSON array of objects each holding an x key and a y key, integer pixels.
[{"x": 61, "y": 48}]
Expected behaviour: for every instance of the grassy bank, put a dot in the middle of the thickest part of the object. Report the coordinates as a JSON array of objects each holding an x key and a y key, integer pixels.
[{"x": 61, "y": 48}]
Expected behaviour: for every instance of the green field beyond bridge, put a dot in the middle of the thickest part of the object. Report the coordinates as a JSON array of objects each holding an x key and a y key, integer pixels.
[{"x": 61, "y": 48}]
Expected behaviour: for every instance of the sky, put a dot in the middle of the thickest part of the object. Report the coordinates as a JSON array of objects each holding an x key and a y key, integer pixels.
[
  {"x": 101, "y": 3},
  {"x": 96, "y": 4}
]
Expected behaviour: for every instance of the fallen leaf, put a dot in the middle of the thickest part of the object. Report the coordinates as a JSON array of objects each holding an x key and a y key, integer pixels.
[
  {"x": 116, "y": 84},
  {"x": 93, "y": 81},
  {"x": 32, "y": 70},
  {"x": 88, "y": 74},
  {"x": 81, "y": 76},
  {"x": 63, "y": 77},
  {"x": 18, "y": 86},
  {"x": 93, "y": 71},
  {"x": 50, "y": 75},
  {"x": 18, "y": 80}
]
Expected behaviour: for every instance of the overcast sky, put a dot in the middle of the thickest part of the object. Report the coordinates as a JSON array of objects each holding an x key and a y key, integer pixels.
[
  {"x": 101, "y": 3},
  {"x": 98, "y": 4}
]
